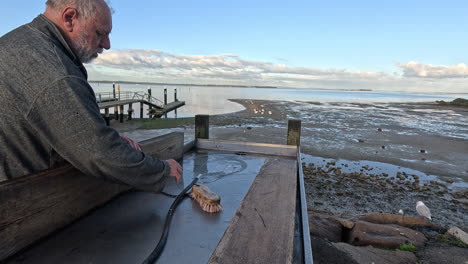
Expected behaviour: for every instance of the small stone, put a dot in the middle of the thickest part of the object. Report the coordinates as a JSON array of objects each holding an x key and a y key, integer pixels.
[{"x": 458, "y": 233}]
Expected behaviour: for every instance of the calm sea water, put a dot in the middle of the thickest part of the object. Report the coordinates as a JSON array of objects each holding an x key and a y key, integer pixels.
[{"x": 214, "y": 100}]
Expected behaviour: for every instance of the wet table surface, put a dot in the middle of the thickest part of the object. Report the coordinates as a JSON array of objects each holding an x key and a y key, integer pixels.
[{"x": 128, "y": 228}]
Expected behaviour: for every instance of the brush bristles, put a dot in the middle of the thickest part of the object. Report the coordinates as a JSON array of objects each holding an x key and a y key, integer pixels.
[{"x": 209, "y": 201}]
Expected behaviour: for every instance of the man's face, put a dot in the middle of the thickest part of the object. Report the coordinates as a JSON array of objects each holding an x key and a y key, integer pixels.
[{"x": 92, "y": 36}]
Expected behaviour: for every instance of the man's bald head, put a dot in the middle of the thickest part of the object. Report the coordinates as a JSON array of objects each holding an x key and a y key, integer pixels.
[
  {"x": 85, "y": 25},
  {"x": 87, "y": 8}
]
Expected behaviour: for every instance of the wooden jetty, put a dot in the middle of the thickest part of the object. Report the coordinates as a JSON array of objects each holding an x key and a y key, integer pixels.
[
  {"x": 64, "y": 216},
  {"x": 117, "y": 101}
]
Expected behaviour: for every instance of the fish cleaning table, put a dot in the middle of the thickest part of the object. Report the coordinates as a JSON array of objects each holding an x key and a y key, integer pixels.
[{"x": 262, "y": 220}]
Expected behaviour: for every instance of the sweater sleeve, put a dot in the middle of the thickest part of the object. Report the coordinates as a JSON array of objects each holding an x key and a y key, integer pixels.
[{"x": 67, "y": 116}]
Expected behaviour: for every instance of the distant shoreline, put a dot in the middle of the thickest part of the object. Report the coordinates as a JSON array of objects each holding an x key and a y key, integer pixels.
[
  {"x": 231, "y": 85},
  {"x": 185, "y": 84}
]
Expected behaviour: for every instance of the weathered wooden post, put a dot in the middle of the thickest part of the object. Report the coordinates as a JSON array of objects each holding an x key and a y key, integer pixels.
[
  {"x": 165, "y": 100},
  {"x": 121, "y": 113},
  {"x": 116, "y": 109},
  {"x": 149, "y": 100},
  {"x": 202, "y": 126},
  {"x": 294, "y": 132},
  {"x": 130, "y": 111},
  {"x": 116, "y": 112},
  {"x": 141, "y": 109},
  {"x": 175, "y": 100},
  {"x": 106, "y": 116}
]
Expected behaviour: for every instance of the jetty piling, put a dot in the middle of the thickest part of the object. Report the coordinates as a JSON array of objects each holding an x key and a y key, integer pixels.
[
  {"x": 121, "y": 111},
  {"x": 165, "y": 100},
  {"x": 130, "y": 111},
  {"x": 106, "y": 116},
  {"x": 116, "y": 109},
  {"x": 141, "y": 109}
]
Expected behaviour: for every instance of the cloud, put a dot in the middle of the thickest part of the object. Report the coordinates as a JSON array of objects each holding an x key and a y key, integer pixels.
[
  {"x": 228, "y": 66},
  {"x": 416, "y": 69},
  {"x": 157, "y": 66}
]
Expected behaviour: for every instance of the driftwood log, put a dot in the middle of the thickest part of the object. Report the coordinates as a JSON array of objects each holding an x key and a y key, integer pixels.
[{"x": 36, "y": 205}]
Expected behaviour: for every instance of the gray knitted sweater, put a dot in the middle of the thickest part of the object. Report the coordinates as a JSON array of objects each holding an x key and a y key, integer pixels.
[{"x": 48, "y": 111}]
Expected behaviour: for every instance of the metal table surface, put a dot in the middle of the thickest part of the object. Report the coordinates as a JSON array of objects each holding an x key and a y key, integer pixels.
[{"x": 128, "y": 228}]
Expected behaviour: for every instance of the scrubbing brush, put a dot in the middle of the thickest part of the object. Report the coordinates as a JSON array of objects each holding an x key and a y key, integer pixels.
[{"x": 209, "y": 201}]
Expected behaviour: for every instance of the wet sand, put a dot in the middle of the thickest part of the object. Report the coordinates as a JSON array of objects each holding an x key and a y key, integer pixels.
[{"x": 364, "y": 158}]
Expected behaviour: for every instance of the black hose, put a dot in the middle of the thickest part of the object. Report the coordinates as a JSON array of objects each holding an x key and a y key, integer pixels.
[{"x": 162, "y": 241}]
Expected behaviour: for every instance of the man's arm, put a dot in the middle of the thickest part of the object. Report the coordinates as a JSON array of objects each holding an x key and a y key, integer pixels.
[
  {"x": 67, "y": 116},
  {"x": 176, "y": 169}
]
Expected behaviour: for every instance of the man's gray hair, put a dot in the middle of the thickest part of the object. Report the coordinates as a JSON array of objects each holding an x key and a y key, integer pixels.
[{"x": 85, "y": 8}]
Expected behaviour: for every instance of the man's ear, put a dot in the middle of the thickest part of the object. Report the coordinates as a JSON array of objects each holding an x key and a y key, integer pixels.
[{"x": 69, "y": 15}]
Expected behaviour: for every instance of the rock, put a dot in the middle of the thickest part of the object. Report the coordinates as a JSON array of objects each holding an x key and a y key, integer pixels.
[
  {"x": 347, "y": 223},
  {"x": 342, "y": 253},
  {"x": 325, "y": 227},
  {"x": 443, "y": 255},
  {"x": 383, "y": 236},
  {"x": 406, "y": 221},
  {"x": 458, "y": 233}
]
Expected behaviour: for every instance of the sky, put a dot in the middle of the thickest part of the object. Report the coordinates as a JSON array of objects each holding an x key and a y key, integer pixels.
[{"x": 415, "y": 46}]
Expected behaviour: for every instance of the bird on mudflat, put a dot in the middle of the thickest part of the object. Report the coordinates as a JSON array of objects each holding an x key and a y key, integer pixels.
[{"x": 423, "y": 210}]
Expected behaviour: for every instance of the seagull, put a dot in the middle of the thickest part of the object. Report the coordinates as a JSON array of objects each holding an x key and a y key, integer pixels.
[
  {"x": 401, "y": 212},
  {"x": 423, "y": 210}
]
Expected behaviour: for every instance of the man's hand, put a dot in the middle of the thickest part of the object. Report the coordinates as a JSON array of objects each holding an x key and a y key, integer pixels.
[
  {"x": 175, "y": 169},
  {"x": 132, "y": 143}
]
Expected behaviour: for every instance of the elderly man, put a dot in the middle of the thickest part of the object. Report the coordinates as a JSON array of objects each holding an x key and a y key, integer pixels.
[{"x": 49, "y": 110}]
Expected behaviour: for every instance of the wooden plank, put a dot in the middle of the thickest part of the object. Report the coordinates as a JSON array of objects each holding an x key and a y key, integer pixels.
[
  {"x": 104, "y": 105},
  {"x": 247, "y": 147},
  {"x": 167, "y": 108},
  {"x": 262, "y": 230},
  {"x": 169, "y": 146},
  {"x": 33, "y": 206},
  {"x": 117, "y": 103}
]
